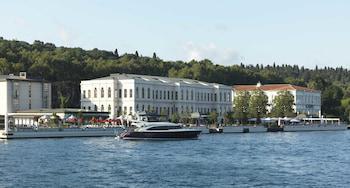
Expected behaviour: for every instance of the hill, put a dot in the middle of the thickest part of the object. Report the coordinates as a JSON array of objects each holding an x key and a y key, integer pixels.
[{"x": 66, "y": 67}]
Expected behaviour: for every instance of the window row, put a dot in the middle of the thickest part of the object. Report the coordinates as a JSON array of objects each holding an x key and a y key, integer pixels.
[
  {"x": 87, "y": 93},
  {"x": 188, "y": 95},
  {"x": 98, "y": 108}
]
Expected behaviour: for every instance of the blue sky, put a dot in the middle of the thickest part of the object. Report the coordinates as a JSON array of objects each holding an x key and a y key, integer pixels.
[{"x": 307, "y": 33}]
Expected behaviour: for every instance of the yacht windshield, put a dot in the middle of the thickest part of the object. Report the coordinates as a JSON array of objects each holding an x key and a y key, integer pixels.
[{"x": 165, "y": 127}]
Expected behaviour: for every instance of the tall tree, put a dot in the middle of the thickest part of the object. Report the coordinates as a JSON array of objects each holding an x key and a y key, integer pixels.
[
  {"x": 154, "y": 55},
  {"x": 283, "y": 104},
  {"x": 137, "y": 53},
  {"x": 257, "y": 105},
  {"x": 116, "y": 52},
  {"x": 240, "y": 106}
]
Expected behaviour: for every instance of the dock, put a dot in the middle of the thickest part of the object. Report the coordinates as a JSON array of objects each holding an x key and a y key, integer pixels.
[{"x": 61, "y": 133}]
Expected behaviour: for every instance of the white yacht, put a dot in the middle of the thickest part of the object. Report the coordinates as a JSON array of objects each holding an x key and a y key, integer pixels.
[{"x": 158, "y": 131}]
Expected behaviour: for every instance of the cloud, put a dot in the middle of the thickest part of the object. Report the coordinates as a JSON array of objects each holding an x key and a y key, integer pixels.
[{"x": 224, "y": 56}]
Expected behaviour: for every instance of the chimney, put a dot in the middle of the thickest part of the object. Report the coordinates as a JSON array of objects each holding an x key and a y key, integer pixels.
[{"x": 23, "y": 75}]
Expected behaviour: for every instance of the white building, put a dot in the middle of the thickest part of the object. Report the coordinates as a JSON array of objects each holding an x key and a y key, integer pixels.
[
  {"x": 306, "y": 101},
  {"x": 129, "y": 93},
  {"x": 19, "y": 93}
]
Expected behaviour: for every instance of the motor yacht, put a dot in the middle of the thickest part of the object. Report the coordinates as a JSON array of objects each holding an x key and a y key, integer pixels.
[{"x": 158, "y": 131}]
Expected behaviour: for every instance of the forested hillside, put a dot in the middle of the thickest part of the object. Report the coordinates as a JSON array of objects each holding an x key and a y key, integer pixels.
[{"x": 65, "y": 67}]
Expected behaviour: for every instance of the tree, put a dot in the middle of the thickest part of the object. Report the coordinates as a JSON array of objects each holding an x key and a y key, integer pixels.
[
  {"x": 137, "y": 53},
  {"x": 240, "y": 106},
  {"x": 5, "y": 66},
  {"x": 213, "y": 116},
  {"x": 154, "y": 55},
  {"x": 63, "y": 100},
  {"x": 174, "y": 118},
  {"x": 228, "y": 118},
  {"x": 283, "y": 104},
  {"x": 257, "y": 105},
  {"x": 331, "y": 101},
  {"x": 116, "y": 52}
]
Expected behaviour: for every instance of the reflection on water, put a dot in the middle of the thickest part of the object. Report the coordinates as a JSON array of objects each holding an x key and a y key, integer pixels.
[{"x": 312, "y": 159}]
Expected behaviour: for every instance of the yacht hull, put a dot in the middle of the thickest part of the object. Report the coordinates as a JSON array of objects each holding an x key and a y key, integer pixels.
[{"x": 160, "y": 135}]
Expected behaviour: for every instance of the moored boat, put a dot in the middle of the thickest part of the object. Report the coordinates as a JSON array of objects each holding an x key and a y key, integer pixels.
[{"x": 159, "y": 131}]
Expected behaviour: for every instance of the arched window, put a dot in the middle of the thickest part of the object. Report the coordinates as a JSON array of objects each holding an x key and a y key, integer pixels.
[
  {"x": 95, "y": 93},
  {"x": 102, "y": 92},
  {"x": 109, "y": 92},
  {"x": 102, "y": 108}
]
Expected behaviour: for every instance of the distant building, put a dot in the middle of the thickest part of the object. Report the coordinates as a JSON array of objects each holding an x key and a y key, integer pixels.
[
  {"x": 306, "y": 101},
  {"x": 129, "y": 93},
  {"x": 20, "y": 93}
]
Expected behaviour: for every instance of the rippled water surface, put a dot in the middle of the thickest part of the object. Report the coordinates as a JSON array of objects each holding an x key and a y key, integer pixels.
[{"x": 309, "y": 159}]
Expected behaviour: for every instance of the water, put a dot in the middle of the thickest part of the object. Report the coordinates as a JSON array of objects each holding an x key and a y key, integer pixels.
[{"x": 309, "y": 159}]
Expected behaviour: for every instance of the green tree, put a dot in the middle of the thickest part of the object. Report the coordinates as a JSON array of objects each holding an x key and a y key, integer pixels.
[
  {"x": 331, "y": 101},
  {"x": 5, "y": 66},
  {"x": 257, "y": 105},
  {"x": 213, "y": 116},
  {"x": 283, "y": 104},
  {"x": 174, "y": 118},
  {"x": 240, "y": 106}
]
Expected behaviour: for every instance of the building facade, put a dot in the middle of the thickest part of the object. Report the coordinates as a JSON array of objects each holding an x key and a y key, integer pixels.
[
  {"x": 19, "y": 93},
  {"x": 306, "y": 101},
  {"x": 129, "y": 93}
]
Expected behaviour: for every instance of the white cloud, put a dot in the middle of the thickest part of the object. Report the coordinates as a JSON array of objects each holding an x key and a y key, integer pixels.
[{"x": 224, "y": 56}]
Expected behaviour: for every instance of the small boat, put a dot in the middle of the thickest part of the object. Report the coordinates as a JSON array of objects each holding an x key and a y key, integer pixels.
[{"x": 159, "y": 131}]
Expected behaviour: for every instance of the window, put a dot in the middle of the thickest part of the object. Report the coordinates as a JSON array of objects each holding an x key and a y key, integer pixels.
[
  {"x": 143, "y": 93},
  {"x": 102, "y": 93},
  {"x": 208, "y": 96},
  {"x": 95, "y": 108},
  {"x": 84, "y": 107},
  {"x": 130, "y": 112},
  {"x": 182, "y": 94},
  {"x": 220, "y": 96},
  {"x": 89, "y": 94},
  {"x": 89, "y": 108},
  {"x": 137, "y": 107},
  {"x": 102, "y": 108},
  {"x": 192, "y": 95},
  {"x": 30, "y": 104},
  {"x": 168, "y": 95},
  {"x": 186, "y": 94},
  {"x": 125, "y": 110},
  {"x": 120, "y": 93},
  {"x": 95, "y": 93},
  {"x": 84, "y": 94},
  {"x": 172, "y": 95},
  {"x": 160, "y": 94},
  {"x": 143, "y": 107},
  {"x": 176, "y": 95},
  {"x": 156, "y": 94},
  {"x": 109, "y": 108},
  {"x": 130, "y": 93},
  {"x": 137, "y": 92},
  {"x": 148, "y": 93},
  {"x": 215, "y": 97},
  {"x": 30, "y": 92},
  {"x": 164, "y": 95},
  {"x": 109, "y": 92},
  {"x": 125, "y": 93},
  {"x": 152, "y": 94}
]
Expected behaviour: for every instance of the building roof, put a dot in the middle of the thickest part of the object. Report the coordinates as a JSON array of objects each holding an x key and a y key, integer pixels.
[
  {"x": 19, "y": 78},
  {"x": 160, "y": 79},
  {"x": 59, "y": 110},
  {"x": 272, "y": 87}
]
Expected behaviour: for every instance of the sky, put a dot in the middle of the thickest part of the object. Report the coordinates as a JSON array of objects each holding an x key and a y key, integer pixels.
[{"x": 228, "y": 32}]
